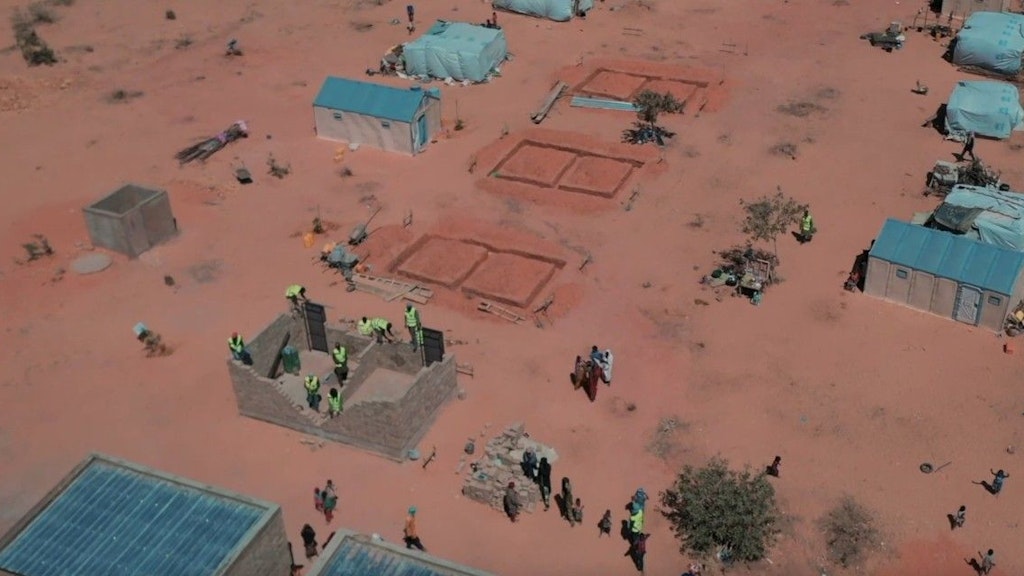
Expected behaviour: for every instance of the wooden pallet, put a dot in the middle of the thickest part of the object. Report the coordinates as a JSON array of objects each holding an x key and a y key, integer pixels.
[
  {"x": 499, "y": 311},
  {"x": 391, "y": 289}
]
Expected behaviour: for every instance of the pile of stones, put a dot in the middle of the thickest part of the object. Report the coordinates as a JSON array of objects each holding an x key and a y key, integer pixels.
[{"x": 500, "y": 464}]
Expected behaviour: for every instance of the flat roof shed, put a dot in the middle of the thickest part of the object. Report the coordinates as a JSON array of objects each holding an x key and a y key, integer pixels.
[
  {"x": 113, "y": 518},
  {"x": 352, "y": 554}
]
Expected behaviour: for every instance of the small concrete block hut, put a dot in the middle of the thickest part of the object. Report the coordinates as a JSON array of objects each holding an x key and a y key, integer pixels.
[
  {"x": 111, "y": 517},
  {"x": 392, "y": 119},
  {"x": 131, "y": 220},
  {"x": 948, "y": 275}
]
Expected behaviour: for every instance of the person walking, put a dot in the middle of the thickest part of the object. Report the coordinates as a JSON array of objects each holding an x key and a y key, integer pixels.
[
  {"x": 988, "y": 561},
  {"x": 318, "y": 499},
  {"x": 413, "y": 324},
  {"x": 334, "y": 403},
  {"x": 577, "y": 511},
  {"x": 773, "y": 468},
  {"x": 238, "y": 352},
  {"x": 807, "y": 228},
  {"x": 511, "y": 502},
  {"x": 968, "y": 147},
  {"x": 412, "y": 537},
  {"x": 544, "y": 481},
  {"x": 567, "y": 501},
  {"x": 605, "y": 525},
  {"x": 960, "y": 517},
  {"x": 313, "y": 392},
  {"x": 340, "y": 355},
  {"x": 637, "y": 551},
  {"x": 636, "y": 523},
  {"x": 330, "y": 501},
  {"x": 309, "y": 541},
  {"x": 997, "y": 480}
]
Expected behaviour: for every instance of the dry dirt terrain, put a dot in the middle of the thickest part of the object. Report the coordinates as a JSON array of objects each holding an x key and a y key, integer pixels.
[{"x": 854, "y": 393}]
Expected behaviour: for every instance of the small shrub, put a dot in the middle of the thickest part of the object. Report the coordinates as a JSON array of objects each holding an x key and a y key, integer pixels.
[
  {"x": 800, "y": 109},
  {"x": 170, "y": 15},
  {"x": 33, "y": 49},
  {"x": 121, "y": 95},
  {"x": 850, "y": 532},
  {"x": 459, "y": 124},
  {"x": 277, "y": 170},
  {"x": 714, "y": 508},
  {"x": 769, "y": 216},
  {"x": 41, "y": 13},
  {"x": 183, "y": 42},
  {"x": 787, "y": 149}
]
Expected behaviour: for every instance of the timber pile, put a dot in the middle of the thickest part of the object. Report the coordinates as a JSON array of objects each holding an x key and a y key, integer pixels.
[
  {"x": 211, "y": 146},
  {"x": 390, "y": 289}
]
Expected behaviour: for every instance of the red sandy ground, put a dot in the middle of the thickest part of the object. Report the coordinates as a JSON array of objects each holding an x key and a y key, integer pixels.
[
  {"x": 443, "y": 261},
  {"x": 536, "y": 164},
  {"x": 509, "y": 278},
  {"x": 853, "y": 393},
  {"x": 596, "y": 175}
]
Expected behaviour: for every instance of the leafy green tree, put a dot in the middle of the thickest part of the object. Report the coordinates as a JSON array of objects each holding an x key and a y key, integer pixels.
[
  {"x": 769, "y": 216},
  {"x": 714, "y": 507}
]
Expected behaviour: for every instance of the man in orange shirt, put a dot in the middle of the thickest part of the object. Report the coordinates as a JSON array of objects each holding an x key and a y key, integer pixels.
[{"x": 412, "y": 538}]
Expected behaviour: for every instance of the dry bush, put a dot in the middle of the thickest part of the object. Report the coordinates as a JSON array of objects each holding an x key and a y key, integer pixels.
[
  {"x": 664, "y": 443},
  {"x": 34, "y": 50},
  {"x": 123, "y": 96},
  {"x": 787, "y": 149},
  {"x": 41, "y": 13},
  {"x": 850, "y": 533},
  {"x": 276, "y": 169},
  {"x": 183, "y": 41}
]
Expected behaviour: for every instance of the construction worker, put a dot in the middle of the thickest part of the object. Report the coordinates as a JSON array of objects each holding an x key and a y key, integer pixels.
[
  {"x": 412, "y": 322},
  {"x": 313, "y": 392},
  {"x": 382, "y": 328},
  {"x": 237, "y": 347},
  {"x": 296, "y": 294},
  {"x": 334, "y": 403},
  {"x": 340, "y": 355},
  {"x": 807, "y": 229},
  {"x": 636, "y": 523},
  {"x": 364, "y": 327}
]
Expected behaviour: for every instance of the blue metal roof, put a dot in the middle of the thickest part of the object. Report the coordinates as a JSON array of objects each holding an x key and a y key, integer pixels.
[
  {"x": 358, "y": 558},
  {"x": 116, "y": 521},
  {"x": 369, "y": 99},
  {"x": 947, "y": 255}
]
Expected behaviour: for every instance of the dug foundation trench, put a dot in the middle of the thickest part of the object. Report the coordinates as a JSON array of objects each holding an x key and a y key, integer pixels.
[
  {"x": 552, "y": 166},
  {"x": 503, "y": 275}
]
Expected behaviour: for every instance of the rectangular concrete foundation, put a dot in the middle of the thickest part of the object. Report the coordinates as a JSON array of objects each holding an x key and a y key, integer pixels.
[{"x": 509, "y": 279}]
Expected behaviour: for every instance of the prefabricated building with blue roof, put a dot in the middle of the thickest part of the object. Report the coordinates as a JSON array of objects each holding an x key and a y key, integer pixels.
[
  {"x": 352, "y": 554},
  {"x": 944, "y": 273},
  {"x": 113, "y": 518},
  {"x": 395, "y": 119}
]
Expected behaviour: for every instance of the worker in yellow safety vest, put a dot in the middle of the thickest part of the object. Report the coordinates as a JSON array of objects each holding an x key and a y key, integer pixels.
[
  {"x": 237, "y": 347},
  {"x": 364, "y": 327},
  {"x": 636, "y": 523},
  {"x": 382, "y": 329},
  {"x": 334, "y": 403},
  {"x": 340, "y": 355},
  {"x": 807, "y": 229},
  {"x": 412, "y": 322},
  {"x": 313, "y": 392},
  {"x": 295, "y": 293}
]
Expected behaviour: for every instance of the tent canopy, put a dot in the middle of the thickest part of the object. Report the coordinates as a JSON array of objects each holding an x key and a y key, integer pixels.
[
  {"x": 990, "y": 215},
  {"x": 985, "y": 107},
  {"x": 991, "y": 40},
  {"x": 456, "y": 50},
  {"x": 557, "y": 10}
]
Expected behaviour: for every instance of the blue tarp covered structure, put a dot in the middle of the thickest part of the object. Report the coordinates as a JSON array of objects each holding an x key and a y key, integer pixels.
[
  {"x": 997, "y": 218},
  {"x": 985, "y": 107},
  {"x": 991, "y": 40},
  {"x": 456, "y": 50},
  {"x": 557, "y": 10}
]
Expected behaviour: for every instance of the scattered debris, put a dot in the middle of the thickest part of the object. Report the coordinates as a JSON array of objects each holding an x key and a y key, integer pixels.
[
  {"x": 944, "y": 175},
  {"x": 433, "y": 454},
  {"x": 34, "y": 50},
  {"x": 123, "y": 96},
  {"x": 211, "y": 146},
  {"x": 919, "y": 89},
  {"x": 787, "y": 149},
  {"x": 499, "y": 311},
  {"x": 183, "y": 42},
  {"x": 233, "y": 49},
  {"x": 151, "y": 341},
  {"x": 38, "y": 249},
  {"x": 313, "y": 444},
  {"x": 466, "y": 369},
  {"x": 800, "y": 109},
  {"x": 501, "y": 463},
  {"x": 664, "y": 444},
  {"x": 242, "y": 174},
  {"x": 170, "y": 15},
  {"x": 169, "y": 280},
  {"x": 543, "y": 308},
  {"x": 632, "y": 199},
  {"x": 586, "y": 260},
  {"x": 891, "y": 39},
  {"x": 407, "y": 221},
  {"x": 277, "y": 170}
]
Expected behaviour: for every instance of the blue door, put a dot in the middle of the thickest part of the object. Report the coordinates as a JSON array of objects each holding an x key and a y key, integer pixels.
[{"x": 421, "y": 141}]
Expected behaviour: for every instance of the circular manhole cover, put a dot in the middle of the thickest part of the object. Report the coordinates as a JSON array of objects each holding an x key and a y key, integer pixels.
[{"x": 91, "y": 263}]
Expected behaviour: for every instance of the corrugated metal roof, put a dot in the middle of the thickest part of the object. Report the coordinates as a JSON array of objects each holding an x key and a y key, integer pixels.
[
  {"x": 116, "y": 521},
  {"x": 369, "y": 99},
  {"x": 950, "y": 256},
  {"x": 357, "y": 558}
]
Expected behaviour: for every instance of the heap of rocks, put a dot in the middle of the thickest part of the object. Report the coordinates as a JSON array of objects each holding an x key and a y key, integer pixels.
[{"x": 500, "y": 464}]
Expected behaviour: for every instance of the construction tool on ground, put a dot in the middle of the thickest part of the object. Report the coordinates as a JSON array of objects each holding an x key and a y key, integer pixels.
[
  {"x": 548, "y": 103},
  {"x": 499, "y": 311},
  {"x": 586, "y": 260},
  {"x": 632, "y": 198},
  {"x": 359, "y": 233},
  {"x": 433, "y": 454}
]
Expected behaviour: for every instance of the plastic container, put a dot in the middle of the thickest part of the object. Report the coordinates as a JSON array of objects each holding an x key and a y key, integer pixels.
[{"x": 290, "y": 360}]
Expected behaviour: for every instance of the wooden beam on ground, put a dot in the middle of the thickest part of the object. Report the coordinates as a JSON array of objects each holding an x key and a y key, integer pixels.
[{"x": 548, "y": 103}]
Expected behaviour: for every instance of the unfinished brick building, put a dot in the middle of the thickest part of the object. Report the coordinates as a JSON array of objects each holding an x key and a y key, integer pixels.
[{"x": 390, "y": 399}]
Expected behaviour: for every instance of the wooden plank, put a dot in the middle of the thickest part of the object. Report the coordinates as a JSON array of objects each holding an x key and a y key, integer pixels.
[
  {"x": 499, "y": 311},
  {"x": 549, "y": 101},
  {"x": 403, "y": 293}
]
